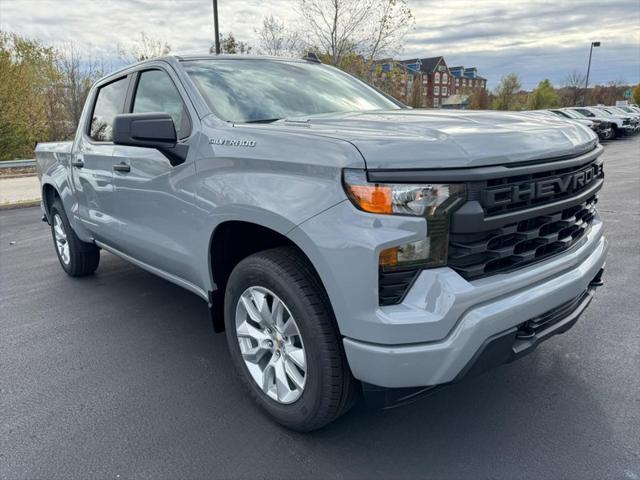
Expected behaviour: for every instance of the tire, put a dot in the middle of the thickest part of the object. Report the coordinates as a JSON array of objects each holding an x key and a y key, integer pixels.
[
  {"x": 78, "y": 258},
  {"x": 329, "y": 389},
  {"x": 611, "y": 135}
]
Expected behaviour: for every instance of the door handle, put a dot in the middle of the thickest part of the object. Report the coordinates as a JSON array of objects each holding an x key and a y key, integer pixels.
[
  {"x": 122, "y": 167},
  {"x": 78, "y": 163}
]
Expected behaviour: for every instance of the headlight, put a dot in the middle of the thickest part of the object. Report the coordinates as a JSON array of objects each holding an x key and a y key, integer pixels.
[{"x": 433, "y": 201}]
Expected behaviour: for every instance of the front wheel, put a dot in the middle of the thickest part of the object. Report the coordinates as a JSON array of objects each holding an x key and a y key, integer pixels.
[
  {"x": 610, "y": 135},
  {"x": 76, "y": 257},
  {"x": 284, "y": 342}
]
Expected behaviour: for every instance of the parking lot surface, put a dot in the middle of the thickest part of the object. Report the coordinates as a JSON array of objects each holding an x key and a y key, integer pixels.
[{"x": 119, "y": 375}]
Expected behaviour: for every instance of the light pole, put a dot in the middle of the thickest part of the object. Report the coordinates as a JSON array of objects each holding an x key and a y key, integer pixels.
[
  {"x": 215, "y": 27},
  {"x": 586, "y": 82}
]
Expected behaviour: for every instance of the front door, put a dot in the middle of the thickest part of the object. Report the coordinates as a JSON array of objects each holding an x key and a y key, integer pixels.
[{"x": 155, "y": 202}]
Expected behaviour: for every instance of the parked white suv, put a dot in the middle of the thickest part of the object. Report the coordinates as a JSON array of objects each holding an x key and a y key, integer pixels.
[
  {"x": 621, "y": 125},
  {"x": 599, "y": 125}
]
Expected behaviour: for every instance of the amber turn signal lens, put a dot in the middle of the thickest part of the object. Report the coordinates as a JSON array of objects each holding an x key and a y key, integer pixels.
[
  {"x": 372, "y": 198},
  {"x": 389, "y": 257}
]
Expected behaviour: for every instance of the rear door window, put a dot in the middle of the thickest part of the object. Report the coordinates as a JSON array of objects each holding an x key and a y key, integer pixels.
[{"x": 109, "y": 103}]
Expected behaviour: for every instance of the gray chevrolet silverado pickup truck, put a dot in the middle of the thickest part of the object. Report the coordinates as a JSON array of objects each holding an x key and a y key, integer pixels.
[{"x": 344, "y": 242}]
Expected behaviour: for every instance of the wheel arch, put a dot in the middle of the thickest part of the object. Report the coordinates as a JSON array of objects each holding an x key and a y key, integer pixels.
[
  {"x": 49, "y": 195},
  {"x": 232, "y": 241}
]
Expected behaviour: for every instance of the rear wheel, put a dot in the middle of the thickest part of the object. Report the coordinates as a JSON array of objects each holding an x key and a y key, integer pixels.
[
  {"x": 284, "y": 342},
  {"x": 76, "y": 257}
]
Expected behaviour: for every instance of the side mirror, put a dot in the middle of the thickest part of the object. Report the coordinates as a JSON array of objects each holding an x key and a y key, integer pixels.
[{"x": 150, "y": 130}]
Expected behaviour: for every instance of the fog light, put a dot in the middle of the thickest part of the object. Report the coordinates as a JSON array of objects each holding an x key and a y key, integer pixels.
[{"x": 407, "y": 255}]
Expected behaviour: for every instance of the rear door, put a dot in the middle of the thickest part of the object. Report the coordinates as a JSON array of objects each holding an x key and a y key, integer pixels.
[
  {"x": 92, "y": 162},
  {"x": 155, "y": 201}
]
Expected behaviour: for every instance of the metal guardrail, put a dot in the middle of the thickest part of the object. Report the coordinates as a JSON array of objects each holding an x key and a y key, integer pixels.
[{"x": 17, "y": 163}]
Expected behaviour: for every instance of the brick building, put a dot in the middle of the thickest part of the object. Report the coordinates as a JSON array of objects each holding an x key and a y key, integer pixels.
[
  {"x": 435, "y": 80},
  {"x": 466, "y": 79}
]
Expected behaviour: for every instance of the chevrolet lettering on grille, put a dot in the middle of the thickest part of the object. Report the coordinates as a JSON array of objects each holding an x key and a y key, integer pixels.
[{"x": 548, "y": 187}]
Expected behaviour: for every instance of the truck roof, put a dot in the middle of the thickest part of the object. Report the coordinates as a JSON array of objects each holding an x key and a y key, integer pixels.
[{"x": 175, "y": 59}]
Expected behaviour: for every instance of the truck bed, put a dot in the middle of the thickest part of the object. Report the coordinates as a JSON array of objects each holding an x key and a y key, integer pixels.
[{"x": 51, "y": 153}]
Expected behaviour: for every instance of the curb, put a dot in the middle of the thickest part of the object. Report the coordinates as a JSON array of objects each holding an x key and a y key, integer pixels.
[{"x": 21, "y": 204}]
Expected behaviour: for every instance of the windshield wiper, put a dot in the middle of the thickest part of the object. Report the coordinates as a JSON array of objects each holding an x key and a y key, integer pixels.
[{"x": 264, "y": 120}]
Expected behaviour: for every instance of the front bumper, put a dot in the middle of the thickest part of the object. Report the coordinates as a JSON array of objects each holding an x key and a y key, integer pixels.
[{"x": 483, "y": 319}]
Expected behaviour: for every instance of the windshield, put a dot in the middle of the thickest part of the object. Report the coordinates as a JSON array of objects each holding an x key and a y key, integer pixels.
[
  {"x": 618, "y": 110},
  {"x": 267, "y": 90},
  {"x": 571, "y": 114},
  {"x": 605, "y": 110},
  {"x": 584, "y": 112}
]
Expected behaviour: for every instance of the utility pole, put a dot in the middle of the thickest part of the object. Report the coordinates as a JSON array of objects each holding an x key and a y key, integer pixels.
[
  {"x": 586, "y": 82},
  {"x": 215, "y": 27}
]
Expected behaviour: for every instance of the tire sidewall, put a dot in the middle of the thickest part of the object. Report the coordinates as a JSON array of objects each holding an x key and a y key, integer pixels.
[{"x": 258, "y": 272}]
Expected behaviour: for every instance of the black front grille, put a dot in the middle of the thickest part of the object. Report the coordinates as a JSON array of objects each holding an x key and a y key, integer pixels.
[
  {"x": 514, "y": 215},
  {"x": 393, "y": 285},
  {"x": 520, "y": 192},
  {"x": 520, "y": 243}
]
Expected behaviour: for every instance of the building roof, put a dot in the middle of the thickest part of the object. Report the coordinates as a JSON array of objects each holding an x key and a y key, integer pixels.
[
  {"x": 425, "y": 65},
  {"x": 465, "y": 72}
]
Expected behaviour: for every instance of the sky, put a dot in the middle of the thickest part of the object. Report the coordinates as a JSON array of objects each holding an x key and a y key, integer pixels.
[{"x": 536, "y": 39}]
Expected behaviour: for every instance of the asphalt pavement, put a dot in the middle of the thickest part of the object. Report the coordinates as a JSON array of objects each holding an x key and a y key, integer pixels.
[{"x": 119, "y": 375}]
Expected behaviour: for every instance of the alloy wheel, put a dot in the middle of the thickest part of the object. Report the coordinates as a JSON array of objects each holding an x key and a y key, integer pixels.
[
  {"x": 271, "y": 345},
  {"x": 60, "y": 235}
]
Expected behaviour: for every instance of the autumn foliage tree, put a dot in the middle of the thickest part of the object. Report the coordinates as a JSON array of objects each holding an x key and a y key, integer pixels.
[
  {"x": 506, "y": 93},
  {"x": 42, "y": 92},
  {"x": 479, "y": 100},
  {"x": 543, "y": 96},
  {"x": 416, "y": 98},
  {"x": 27, "y": 74}
]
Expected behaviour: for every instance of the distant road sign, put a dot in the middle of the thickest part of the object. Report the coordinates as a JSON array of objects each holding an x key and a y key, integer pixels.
[{"x": 627, "y": 93}]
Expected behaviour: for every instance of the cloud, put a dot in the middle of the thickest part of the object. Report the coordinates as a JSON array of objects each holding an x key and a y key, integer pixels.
[{"x": 535, "y": 38}]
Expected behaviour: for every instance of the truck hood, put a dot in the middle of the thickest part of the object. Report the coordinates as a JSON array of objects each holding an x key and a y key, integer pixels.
[{"x": 443, "y": 139}]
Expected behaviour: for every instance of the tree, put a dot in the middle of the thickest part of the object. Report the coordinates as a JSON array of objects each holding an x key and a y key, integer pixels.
[
  {"x": 143, "y": 48},
  {"x": 479, "y": 99},
  {"x": 609, "y": 93},
  {"x": 27, "y": 73},
  {"x": 506, "y": 93},
  {"x": 636, "y": 94},
  {"x": 573, "y": 89},
  {"x": 389, "y": 80},
  {"x": 369, "y": 28},
  {"x": 544, "y": 96},
  {"x": 277, "y": 40},
  {"x": 77, "y": 74},
  {"x": 416, "y": 98},
  {"x": 229, "y": 44}
]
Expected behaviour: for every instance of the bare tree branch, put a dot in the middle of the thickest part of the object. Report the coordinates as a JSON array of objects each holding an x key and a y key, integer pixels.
[
  {"x": 275, "y": 39},
  {"x": 143, "y": 48}
]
